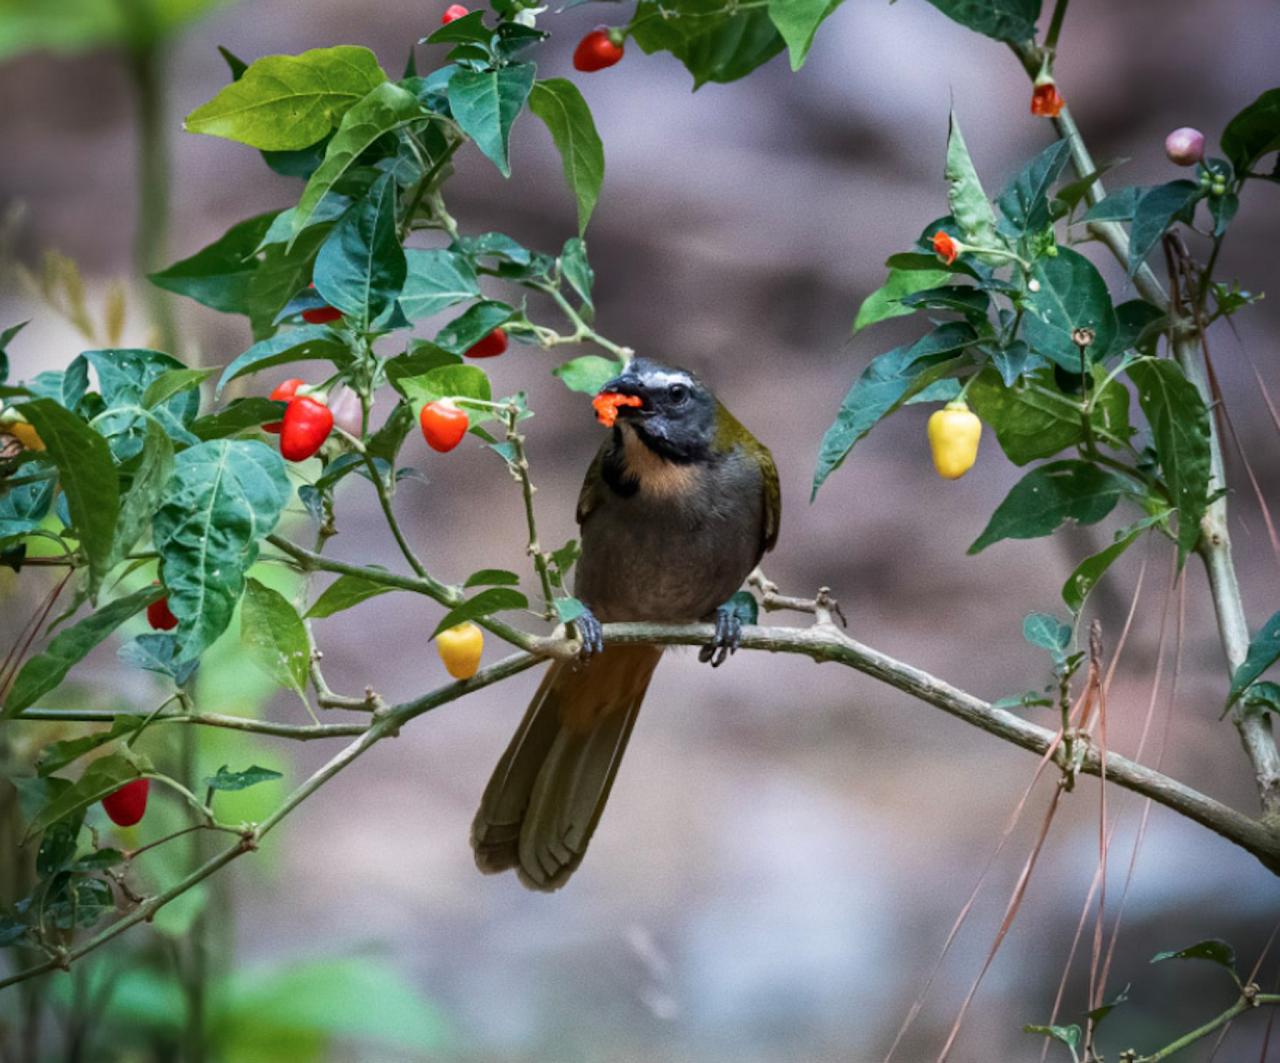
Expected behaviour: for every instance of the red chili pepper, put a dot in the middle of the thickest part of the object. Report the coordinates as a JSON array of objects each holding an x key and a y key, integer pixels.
[
  {"x": 607, "y": 402},
  {"x": 128, "y": 805},
  {"x": 600, "y": 48},
  {"x": 307, "y": 424},
  {"x": 945, "y": 247},
  {"x": 321, "y": 315},
  {"x": 1046, "y": 101},
  {"x": 489, "y": 347},
  {"x": 451, "y": 12},
  {"x": 160, "y": 616},
  {"x": 283, "y": 392},
  {"x": 443, "y": 425}
]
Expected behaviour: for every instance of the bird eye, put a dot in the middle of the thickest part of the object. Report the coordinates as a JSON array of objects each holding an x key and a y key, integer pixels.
[{"x": 677, "y": 393}]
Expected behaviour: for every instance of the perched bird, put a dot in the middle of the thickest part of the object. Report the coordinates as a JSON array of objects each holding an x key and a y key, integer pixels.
[{"x": 678, "y": 507}]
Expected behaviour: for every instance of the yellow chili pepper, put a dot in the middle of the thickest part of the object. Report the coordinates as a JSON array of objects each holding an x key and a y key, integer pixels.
[
  {"x": 460, "y": 648},
  {"x": 953, "y": 437},
  {"x": 25, "y": 434}
]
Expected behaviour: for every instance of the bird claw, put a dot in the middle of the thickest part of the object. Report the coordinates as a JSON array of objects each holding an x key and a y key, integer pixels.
[
  {"x": 591, "y": 633},
  {"x": 728, "y": 637}
]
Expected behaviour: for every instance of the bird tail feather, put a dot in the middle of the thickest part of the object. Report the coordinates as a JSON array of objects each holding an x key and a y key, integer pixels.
[{"x": 549, "y": 789}]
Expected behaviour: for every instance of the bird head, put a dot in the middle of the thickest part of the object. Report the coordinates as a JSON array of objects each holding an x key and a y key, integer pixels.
[{"x": 670, "y": 410}]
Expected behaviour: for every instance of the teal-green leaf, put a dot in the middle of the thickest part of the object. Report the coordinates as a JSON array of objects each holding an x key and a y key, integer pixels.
[
  {"x": 487, "y": 602},
  {"x": 715, "y": 42},
  {"x": 473, "y": 325},
  {"x": 886, "y": 384},
  {"x": 1213, "y": 950},
  {"x": 304, "y": 343},
  {"x": 587, "y": 374},
  {"x": 1025, "y": 199},
  {"x": 154, "y": 470},
  {"x": 273, "y": 633},
  {"x": 1253, "y": 132},
  {"x": 1049, "y": 495},
  {"x": 343, "y": 593},
  {"x": 1071, "y": 1036},
  {"x": 1048, "y": 632},
  {"x": 361, "y": 267},
  {"x": 1086, "y": 575},
  {"x": 886, "y": 301},
  {"x": 1115, "y": 206},
  {"x": 436, "y": 280},
  {"x": 969, "y": 205},
  {"x": 1072, "y": 295},
  {"x": 288, "y": 102},
  {"x": 23, "y": 507},
  {"x": 492, "y": 577},
  {"x": 46, "y": 670},
  {"x": 1013, "y": 21},
  {"x": 446, "y": 382},
  {"x": 1156, "y": 210},
  {"x": 578, "y": 272},
  {"x": 104, "y": 776},
  {"x": 798, "y": 22},
  {"x": 87, "y": 476},
  {"x": 385, "y": 109},
  {"x": 568, "y": 118},
  {"x": 219, "y": 276},
  {"x": 173, "y": 382},
  {"x": 225, "y": 495},
  {"x": 125, "y": 375},
  {"x": 486, "y": 103},
  {"x": 1264, "y": 651},
  {"x": 240, "y": 780},
  {"x": 1179, "y": 423},
  {"x": 238, "y": 416}
]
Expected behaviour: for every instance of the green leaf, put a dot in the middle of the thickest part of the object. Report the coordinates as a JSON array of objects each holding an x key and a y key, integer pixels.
[
  {"x": 87, "y": 476},
  {"x": 487, "y": 602},
  {"x": 486, "y": 103},
  {"x": 1263, "y": 696},
  {"x": 436, "y": 280},
  {"x": 240, "y": 780},
  {"x": 104, "y": 776},
  {"x": 473, "y": 325},
  {"x": 1179, "y": 424},
  {"x": 492, "y": 577},
  {"x": 384, "y": 110},
  {"x": 886, "y": 384},
  {"x": 1072, "y": 296},
  {"x": 1264, "y": 651},
  {"x": 57, "y": 755},
  {"x": 225, "y": 495},
  {"x": 446, "y": 382},
  {"x": 173, "y": 382},
  {"x": 1034, "y": 419},
  {"x": 343, "y": 593},
  {"x": 1155, "y": 212},
  {"x": 577, "y": 271},
  {"x": 237, "y": 417},
  {"x": 587, "y": 374},
  {"x": 1046, "y": 497},
  {"x": 282, "y": 274},
  {"x": 1222, "y": 209},
  {"x": 798, "y": 22},
  {"x": 1103, "y": 1010},
  {"x": 305, "y": 343},
  {"x": 972, "y": 302},
  {"x": 1071, "y": 1036},
  {"x": 1137, "y": 322},
  {"x": 1048, "y": 632},
  {"x": 361, "y": 267},
  {"x": 968, "y": 202},
  {"x": 149, "y": 480},
  {"x": 1004, "y": 20},
  {"x": 1025, "y": 199},
  {"x": 288, "y": 102},
  {"x": 715, "y": 42},
  {"x": 1115, "y": 206},
  {"x": 219, "y": 276},
  {"x": 157, "y": 652},
  {"x": 568, "y": 118},
  {"x": 886, "y": 301},
  {"x": 124, "y": 376},
  {"x": 1086, "y": 574},
  {"x": 1253, "y": 132},
  {"x": 1213, "y": 950},
  {"x": 272, "y": 632},
  {"x": 24, "y": 507},
  {"x": 568, "y": 609}
]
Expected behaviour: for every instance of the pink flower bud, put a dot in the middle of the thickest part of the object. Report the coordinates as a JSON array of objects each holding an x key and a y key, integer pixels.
[
  {"x": 345, "y": 406},
  {"x": 1185, "y": 146}
]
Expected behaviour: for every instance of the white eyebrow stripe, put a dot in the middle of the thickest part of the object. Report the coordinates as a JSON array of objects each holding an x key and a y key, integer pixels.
[{"x": 666, "y": 379}]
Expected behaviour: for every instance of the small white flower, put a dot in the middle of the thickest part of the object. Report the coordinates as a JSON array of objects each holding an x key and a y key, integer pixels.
[{"x": 529, "y": 16}]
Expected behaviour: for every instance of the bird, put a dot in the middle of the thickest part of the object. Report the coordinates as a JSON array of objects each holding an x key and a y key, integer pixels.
[{"x": 678, "y": 507}]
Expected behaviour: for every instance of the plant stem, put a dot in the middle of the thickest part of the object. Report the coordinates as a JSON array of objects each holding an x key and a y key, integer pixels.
[
  {"x": 1055, "y": 25},
  {"x": 1245, "y": 1003},
  {"x": 203, "y": 719},
  {"x": 520, "y": 469}
]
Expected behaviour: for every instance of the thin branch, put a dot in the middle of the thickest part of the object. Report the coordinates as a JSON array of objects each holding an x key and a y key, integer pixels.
[
  {"x": 1250, "y": 998},
  {"x": 203, "y": 719},
  {"x": 519, "y": 465}
]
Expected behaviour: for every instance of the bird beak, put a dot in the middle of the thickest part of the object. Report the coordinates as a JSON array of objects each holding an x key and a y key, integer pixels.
[{"x": 630, "y": 385}]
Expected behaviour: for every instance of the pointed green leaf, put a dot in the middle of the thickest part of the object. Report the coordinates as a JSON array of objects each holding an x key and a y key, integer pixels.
[
  {"x": 1180, "y": 432},
  {"x": 968, "y": 202},
  {"x": 343, "y": 593},
  {"x": 1156, "y": 210},
  {"x": 446, "y": 382},
  {"x": 173, "y": 382},
  {"x": 1072, "y": 296},
  {"x": 240, "y": 780},
  {"x": 578, "y": 272},
  {"x": 436, "y": 280},
  {"x": 1013, "y": 21},
  {"x": 587, "y": 374},
  {"x": 149, "y": 481},
  {"x": 1049, "y": 495},
  {"x": 487, "y": 602},
  {"x": 104, "y": 776},
  {"x": 715, "y": 42},
  {"x": 798, "y": 22},
  {"x": 361, "y": 267},
  {"x": 1253, "y": 132},
  {"x": 57, "y": 755},
  {"x": 288, "y": 102},
  {"x": 473, "y": 325},
  {"x": 886, "y": 301},
  {"x": 492, "y": 577},
  {"x": 219, "y": 276},
  {"x": 1087, "y": 574},
  {"x": 384, "y": 110},
  {"x": 1264, "y": 651},
  {"x": 1071, "y": 1036},
  {"x": 272, "y": 632},
  {"x": 1213, "y": 950},
  {"x": 46, "y": 670},
  {"x": 486, "y": 103},
  {"x": 1048, "y": 632},
  {"x": 1025, "y": 200},
  {"x": 568, "y": 118},
  {"x": 304, "y": 343}
]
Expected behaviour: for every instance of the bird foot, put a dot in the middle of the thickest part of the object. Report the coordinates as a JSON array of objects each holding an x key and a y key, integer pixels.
[
  {"x": 729, "y": 618},
  {"x": 591, "y": 633}
]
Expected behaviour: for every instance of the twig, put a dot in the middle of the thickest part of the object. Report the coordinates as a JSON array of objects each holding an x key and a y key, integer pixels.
[
  {"x": 203, "y": 719},
  {"x": 519, "y": 465}
]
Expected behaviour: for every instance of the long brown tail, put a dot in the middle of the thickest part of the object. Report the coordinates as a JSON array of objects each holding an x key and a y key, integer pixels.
[{"x": 547, "y": 793}]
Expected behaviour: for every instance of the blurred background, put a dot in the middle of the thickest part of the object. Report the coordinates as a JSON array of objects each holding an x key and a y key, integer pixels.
[{"x": 786, "y": 846}]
